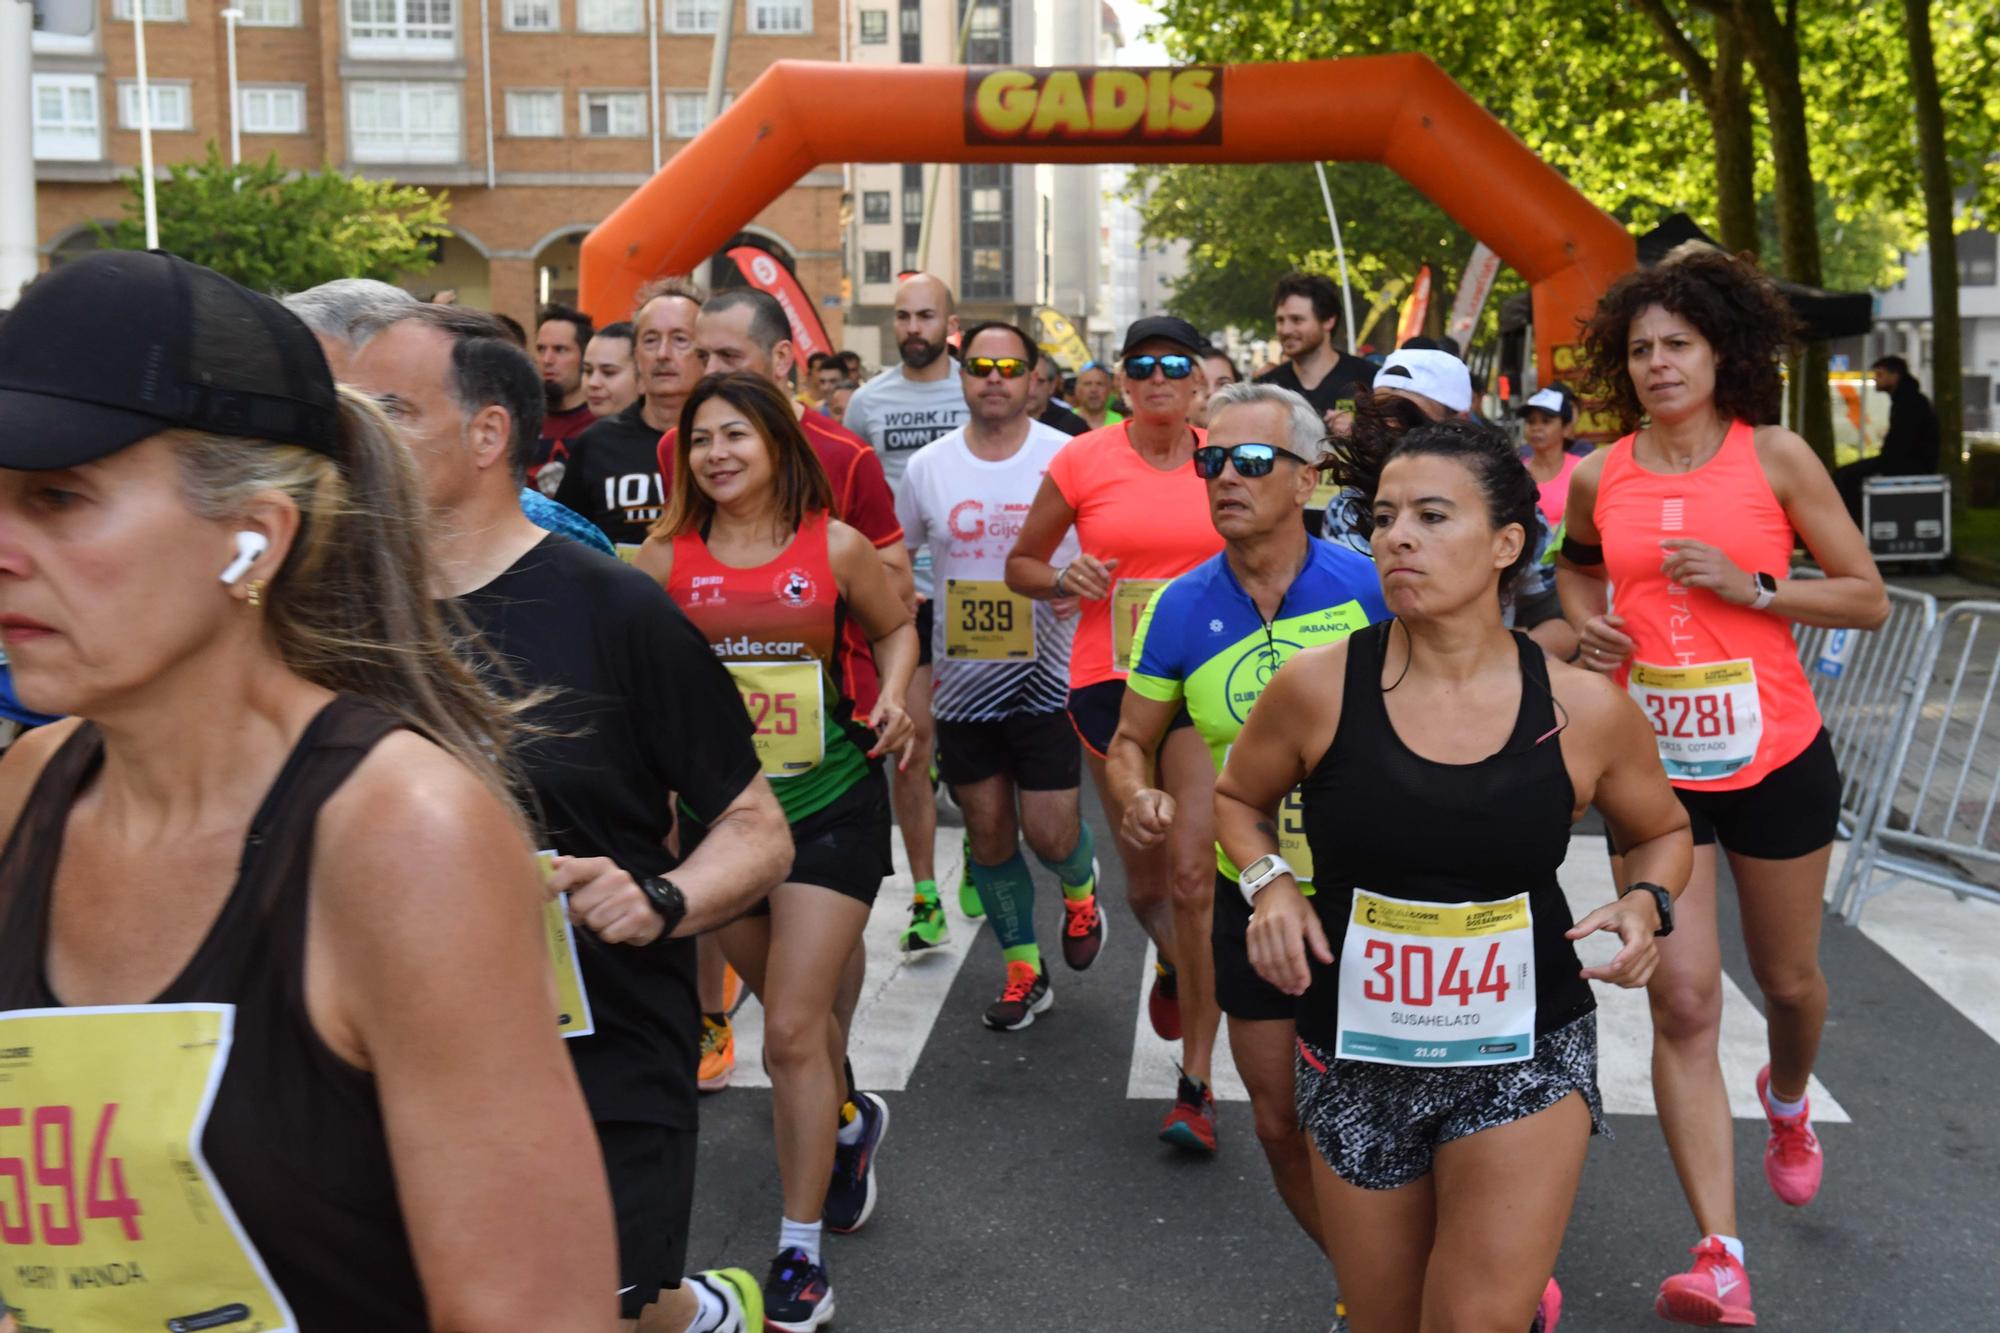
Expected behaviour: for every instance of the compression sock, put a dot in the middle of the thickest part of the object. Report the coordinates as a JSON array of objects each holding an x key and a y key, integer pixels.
[
  {"x": 709, "y": 1309},
  {"x": 926, "y": 891},
  {"x": 1073, "y": 871},
  {"x": 800, "y": 1236},
  {"x": 1008, "y": 893}
]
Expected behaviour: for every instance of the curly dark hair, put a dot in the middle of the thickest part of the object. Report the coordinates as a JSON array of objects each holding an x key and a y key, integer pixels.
[
  {"x": 1491, "y": 457},
  {"x": 1729, "y": 300}
]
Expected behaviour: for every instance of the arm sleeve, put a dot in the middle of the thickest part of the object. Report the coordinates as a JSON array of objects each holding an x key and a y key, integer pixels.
[
  {"x": 696, "y": 728},
  {"x": 868, "y": 507},
  {"x": 1155, "y": 673}
]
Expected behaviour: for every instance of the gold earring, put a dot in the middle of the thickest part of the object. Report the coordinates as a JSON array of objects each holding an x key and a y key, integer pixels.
[{"x": 256, "y": 591}]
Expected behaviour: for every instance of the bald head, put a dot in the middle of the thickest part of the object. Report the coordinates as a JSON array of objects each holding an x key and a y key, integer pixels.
[{"x": 924, "y": 321}]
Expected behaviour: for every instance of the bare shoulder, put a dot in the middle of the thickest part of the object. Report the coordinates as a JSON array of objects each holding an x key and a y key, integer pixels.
[
  {"x": 22, "y": 767},
  {"x": 1595, "y": 707},
  {"x": 1590, "y": 469},
  {"x": 1784, "y": 453}
]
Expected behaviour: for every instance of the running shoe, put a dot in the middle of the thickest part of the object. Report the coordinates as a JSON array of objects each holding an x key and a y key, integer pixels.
[
  {"x": 1163, "y": 1005},
  {"x": 797, "y": 1295},
  {"x": 927, "y": 929},
  {"x": 850, "y": 1196},
  {"x": 1550, "y": 1312},
  {"x": 732, "y": 989},
  {"x": 1190, "y": 1125},
  {"x": 1083, "y": 932},
  {"x": 969, "y": 905},
  {"x": 718, "y": 1054},
  {"x": 1339, "y": 1317},
  {"x": 1026, "y": 994},
  {"x": 1714, "y": 1293},
  {"x": 742, "y": 1299},
  {"x": 1793, "y": 1162}
]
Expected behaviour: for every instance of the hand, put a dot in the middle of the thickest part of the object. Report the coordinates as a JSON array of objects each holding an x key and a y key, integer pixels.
[
  {"x": 1283, "y": 926},
  {"x": 1148, "y": 817},
  {"x": 1087, "y": 576},
  {"x": 605, "y": 899},
  {"x": 1694, "y": 564},
  {"x": 893, "y": 731},
  {"x": 1065, "y": 607},
  {"x": 1605, "y": 644},
  {"x": 1634, "y": 918}
]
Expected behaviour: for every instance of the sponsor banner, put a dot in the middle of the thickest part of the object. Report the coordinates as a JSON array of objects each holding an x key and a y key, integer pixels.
[
  {"x": 768, "y": 275},
  {"x": 1082, "y": 104},
  {"x": 1474, "y": 285}
]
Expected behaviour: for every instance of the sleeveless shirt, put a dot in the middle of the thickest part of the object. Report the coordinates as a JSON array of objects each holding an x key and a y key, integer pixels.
[
  {"x": 1381, "y": 817},
  {"x": 295, "y": 1136}
]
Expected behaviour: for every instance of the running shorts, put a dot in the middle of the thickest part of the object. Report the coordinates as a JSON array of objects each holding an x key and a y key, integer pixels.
[
  {"x": 924, "y": 624},
  {"x": 651, "y": 1169},
  {"x": 1793, "y": 812},
  {"x": 1093, "y": 711},
  {"x": 1240, "y": 991},
  {"x": 845, "y": 846},
  {"x": 1037, "y": 750}
]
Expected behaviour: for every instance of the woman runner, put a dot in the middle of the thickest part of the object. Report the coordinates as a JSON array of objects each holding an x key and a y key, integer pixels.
[
  {"x": 749, "y": 550},
  {"x": 1447, "y": 1044},
  {"x": 1692, "y": 519}
]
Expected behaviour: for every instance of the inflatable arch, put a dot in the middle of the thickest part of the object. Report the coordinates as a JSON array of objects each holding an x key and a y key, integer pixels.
[{"x": 1399, "y": 110}]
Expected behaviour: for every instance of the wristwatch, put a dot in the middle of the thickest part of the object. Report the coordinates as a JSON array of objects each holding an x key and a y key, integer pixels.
[
  {"x": 667, "y": 899},
  {"x": 1261, "y": 872},
  {"x": 1767, "y": 590},
  {"x": 1662, "y": 900}
]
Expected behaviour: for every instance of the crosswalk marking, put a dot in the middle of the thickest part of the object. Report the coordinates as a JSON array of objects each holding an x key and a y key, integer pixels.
[
  {"x": 1156, "y": 1063},
  {"x": 1949, "y": 945}
]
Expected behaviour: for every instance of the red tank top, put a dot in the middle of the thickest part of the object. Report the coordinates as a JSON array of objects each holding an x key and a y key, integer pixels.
[
  {"x": 1720, "y": 683},
  {"x": 788, "y": 608}
]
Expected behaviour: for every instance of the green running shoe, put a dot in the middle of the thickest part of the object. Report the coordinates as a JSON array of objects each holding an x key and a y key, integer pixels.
[
  {"x": 927, "y": 929},
  {"x": 968, "y": 893},
  {"x": 742, "y": 1298}
]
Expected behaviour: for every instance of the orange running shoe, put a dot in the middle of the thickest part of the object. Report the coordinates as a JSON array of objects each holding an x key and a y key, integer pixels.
[
  {"x": 1714, "y": 1293},
  {"x": 718, "y": 1055},
  {"x": 1190, "y": 1124},
  {"x": 1793, "y": 1163},
  {"x": 732, "y": 987},
  {"x": 1083, "y": 932}
]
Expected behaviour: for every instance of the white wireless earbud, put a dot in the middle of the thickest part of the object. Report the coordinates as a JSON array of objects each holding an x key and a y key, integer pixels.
[{"x": 249, "y": 546}]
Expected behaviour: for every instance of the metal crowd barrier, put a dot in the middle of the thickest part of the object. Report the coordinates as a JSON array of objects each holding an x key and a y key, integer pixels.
[{"x": 1932, "y": 817}]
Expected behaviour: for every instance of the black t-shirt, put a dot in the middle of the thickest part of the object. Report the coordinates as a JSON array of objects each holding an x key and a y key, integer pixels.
[
  {"x": 641, "y": 712},
  {"x": 612, "y": 475},
  {"x": 1349, "y": 376},
  {"x": 1064, "y": 420},
  {"x": 559, "y": 427}
]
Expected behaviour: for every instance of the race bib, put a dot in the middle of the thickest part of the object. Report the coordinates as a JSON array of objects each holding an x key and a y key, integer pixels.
[
  {"x": 572, "y": 1000},
  {"x": 1292, "y": 844},
  {"x": 985, "y": 621},
  {"x": 788, "y": 706},
  {"x": 628, "y": 551},
  {"x": 1128, "y": 603},
  {"x": 1706, "y": 717},
  {"x": 1437, "y": 984},
  {"x": 111, "y": 1220}
]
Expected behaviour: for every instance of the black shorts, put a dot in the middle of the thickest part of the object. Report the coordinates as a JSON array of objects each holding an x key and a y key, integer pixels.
[
  {"x": 651, "y": 1168},
  {"x": 1037, "y": 750},
  {"x": 845, "y": 847},
  {"x": 1793, "y": 812},
  {"x": 1093, "y": 711},
  {"x": 1240, "y": 991},
  {"x": 924, "y": 618}
]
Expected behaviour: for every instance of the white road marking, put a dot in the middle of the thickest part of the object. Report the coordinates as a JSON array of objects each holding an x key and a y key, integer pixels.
[
  {"x": 1949, "y": 945},
  {"x": 1155, "y": 1063}
]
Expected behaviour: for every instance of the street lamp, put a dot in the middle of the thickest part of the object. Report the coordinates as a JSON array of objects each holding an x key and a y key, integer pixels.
[{"x": 231, "y": 17}]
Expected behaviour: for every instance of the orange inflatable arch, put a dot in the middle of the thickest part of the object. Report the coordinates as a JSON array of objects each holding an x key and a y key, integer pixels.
[{"x": 1399, "y": 110}]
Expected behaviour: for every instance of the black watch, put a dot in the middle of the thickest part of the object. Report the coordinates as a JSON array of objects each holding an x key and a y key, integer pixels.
[
  {"x": 667, "y": 899},
  {"x": 1662, "y": 900}
]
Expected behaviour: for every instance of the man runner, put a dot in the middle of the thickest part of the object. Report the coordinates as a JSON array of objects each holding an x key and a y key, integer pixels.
[
  {"x": 1306, "y": 312},
  {"x": 1093, "y": 397},
  {"x": 560, "y": 338},
  {"x": 1044, "y": 381}
]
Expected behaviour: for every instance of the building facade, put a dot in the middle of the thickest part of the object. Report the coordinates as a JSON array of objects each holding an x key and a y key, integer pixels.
[
  {"x": 1903, "y": 324},
  {"x": 537, "y": 116}
]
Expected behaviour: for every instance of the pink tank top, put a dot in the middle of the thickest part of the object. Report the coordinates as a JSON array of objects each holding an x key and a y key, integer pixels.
[{"x": 1720, "y": 683}]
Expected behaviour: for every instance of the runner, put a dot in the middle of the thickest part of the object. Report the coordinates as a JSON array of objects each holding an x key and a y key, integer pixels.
[
  {"x": 1446, "y": 1165},
  {"x": 343, "y": 312},
  {"x": 560, "y": 337},
  {"x": 1217, "y": 372},
  {"x": 1692, "y": 517},
  {"x": 1141, "y": 518},
  {"x": 1306, "y": 310},
  {"x": 1002, "y": 676},
  {"x": 207, "y": 938},
  {"x": 749, "y": 548},
  {"x": 1093, "y": 397},
  {"x": 632, "y": 717},
  {"x": 610, "y": 377},
  {"x": 1548, "y": 419},
  {"x": 1211, "y": 641},
  {"x": 1043, "y": 383}
]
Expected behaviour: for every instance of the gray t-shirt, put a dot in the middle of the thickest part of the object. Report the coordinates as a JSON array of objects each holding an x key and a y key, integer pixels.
[{"x": 898, "y": 416}]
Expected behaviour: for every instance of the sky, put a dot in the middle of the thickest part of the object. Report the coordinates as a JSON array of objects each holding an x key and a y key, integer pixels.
[{"x": 1135, "y": 16}]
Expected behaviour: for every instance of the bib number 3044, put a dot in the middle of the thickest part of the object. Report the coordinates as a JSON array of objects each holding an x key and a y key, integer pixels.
[
  {"x": 1437, "y": 984},
  {"x": 111, "y": 1219}
]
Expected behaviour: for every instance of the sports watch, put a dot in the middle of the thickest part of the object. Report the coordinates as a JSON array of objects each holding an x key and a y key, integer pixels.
[
  {"x": 1261, "y": 872},
  {"x": 667, "y": 899},
  {"x": 1662, "y": 900},
  {"x": 1767, "y": 590}
]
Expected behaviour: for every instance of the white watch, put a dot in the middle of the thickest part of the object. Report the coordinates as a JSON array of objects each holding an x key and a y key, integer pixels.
[
  {"x": 1767, "y": 591},
  {"x": 1261, "y": 872}
]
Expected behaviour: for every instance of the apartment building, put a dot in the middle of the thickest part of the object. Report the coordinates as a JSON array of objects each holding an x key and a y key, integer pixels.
[{"x": 537, "y": 116}]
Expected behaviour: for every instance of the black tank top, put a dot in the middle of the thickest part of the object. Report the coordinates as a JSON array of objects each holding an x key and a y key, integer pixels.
[
  {"x": 295, "y": 1138},
  {"x": 1380, "y": 816}
]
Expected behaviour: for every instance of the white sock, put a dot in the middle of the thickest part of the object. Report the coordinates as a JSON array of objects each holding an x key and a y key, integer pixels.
[
  {"x": 850, "y": 1133},
  {"x": 800, "y": 1236},
  {"x": 1782, "y": 1109},
  {"x": 1730, "y": 1243},
  {"x": 709, "y": 1309}
]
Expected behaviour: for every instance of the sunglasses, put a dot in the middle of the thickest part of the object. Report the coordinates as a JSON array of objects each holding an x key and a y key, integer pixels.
[
  {"x": 1174, "y": 366},
  {"x": 1010, "y": 367},
  {"x": 1251, "y": 460}
]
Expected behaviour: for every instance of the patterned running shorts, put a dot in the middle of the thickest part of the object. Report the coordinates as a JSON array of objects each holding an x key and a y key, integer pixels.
[{"x": 1378, "y": 1126}]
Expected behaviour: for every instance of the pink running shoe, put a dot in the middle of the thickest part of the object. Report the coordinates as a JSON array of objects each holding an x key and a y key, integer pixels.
[
  {"x": 1792, "y": 1159},
  {"x": 1714, "y": 1293},
  {"x": 1550, "y": 1312}
]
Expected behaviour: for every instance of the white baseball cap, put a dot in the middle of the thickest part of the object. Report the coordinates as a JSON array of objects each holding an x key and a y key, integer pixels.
[
  {"x": 1551, "y": 400},
  {"x": 1436, "y": 375}
]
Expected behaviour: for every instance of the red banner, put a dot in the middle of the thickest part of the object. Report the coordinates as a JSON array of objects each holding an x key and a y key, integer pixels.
[
  {"x": 768, "y": 275},
  {"x": 1415, "y": 307}
]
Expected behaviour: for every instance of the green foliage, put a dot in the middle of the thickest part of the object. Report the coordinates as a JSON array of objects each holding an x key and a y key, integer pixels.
[{"x": 277, "y": 232}]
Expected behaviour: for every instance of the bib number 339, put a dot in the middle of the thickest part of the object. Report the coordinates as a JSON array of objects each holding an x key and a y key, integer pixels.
[
  {"x": 110, "y": 1217},
  {"x": 1706, "y": 718},
  {"x": 1437, "y": 984}
]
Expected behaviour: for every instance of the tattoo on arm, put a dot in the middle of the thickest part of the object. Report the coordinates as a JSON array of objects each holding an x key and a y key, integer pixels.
[{"x": 1265, "y": 826}]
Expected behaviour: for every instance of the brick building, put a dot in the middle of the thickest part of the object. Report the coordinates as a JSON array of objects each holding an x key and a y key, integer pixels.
[{"x": 538, "y": 116}]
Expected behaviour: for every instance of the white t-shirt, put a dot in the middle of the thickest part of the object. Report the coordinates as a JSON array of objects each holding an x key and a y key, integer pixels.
[
  {"x": 898, "y": 416},
  {"x": 968, "y": 512}
]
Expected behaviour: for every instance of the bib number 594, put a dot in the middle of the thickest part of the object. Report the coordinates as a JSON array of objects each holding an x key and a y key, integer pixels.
[{"x": 39, "y": 1185}]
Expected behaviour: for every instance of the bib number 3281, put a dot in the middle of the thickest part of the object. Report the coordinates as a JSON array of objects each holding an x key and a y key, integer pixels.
[
  {"x": 1437, "y": 984},
  {"x": 111, "y": 1220},
  {"x": 1706, "y": 718}
]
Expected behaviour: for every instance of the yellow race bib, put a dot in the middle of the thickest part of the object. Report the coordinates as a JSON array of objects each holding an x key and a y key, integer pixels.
[
  {"x": 111, "y": 1220},
  {"x": 787, "y": 704},
  {"x": 1128, "y": 604},
  {"x": 1292, "y": 844},
  {"x": 985, "y": 621},
  {"x": 572, "y": 1000},
  {"x": 628, "y": 551}
]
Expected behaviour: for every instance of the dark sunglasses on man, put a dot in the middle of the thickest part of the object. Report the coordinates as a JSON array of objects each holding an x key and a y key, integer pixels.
[
  {"x": 1250, "y": 460},
  {"x": 1010, "y": 367},
  {"x": 1173, "y": 365}
]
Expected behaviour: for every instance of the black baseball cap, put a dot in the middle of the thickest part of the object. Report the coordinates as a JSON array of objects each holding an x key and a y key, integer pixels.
[
  {"x": 1166, "y": 327},
  {"x": 117, "y": 345}
]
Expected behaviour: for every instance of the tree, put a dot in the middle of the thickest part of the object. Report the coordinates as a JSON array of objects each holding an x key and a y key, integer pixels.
[
  {"x": 274, "y": 231},
  {"x": 1719, "y": 85},
  {"x": 1947, "y": 377}
]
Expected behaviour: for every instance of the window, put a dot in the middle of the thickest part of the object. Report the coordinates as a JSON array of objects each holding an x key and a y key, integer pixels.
[
  {"x": 157, "y": 11},
  {"x": 913, "y": 213},
  {"x": 170, "y": 106},
  {"x": 687, "y": 114},
  {"x": 875, "y": 266},
  {"x": 422, "y": 28},
  {"x": 912, "y": 32},
  {"x": 274, "y": 111},
  {"x": 529, "y": 16},
  {"x": 691, "y": 15},
  {"x": 874, "y": 205},
  {"x": 874, "y": 27},
  {"x": 986, "y": 200},
  {"x": 1977, "y": 251},
  {"x": 269, "y": 13},
  {"x": 784, "y": 18},
  {"x": 66, "y": 128},
  {"x": 611, "y": 115},
  {"x": 534, "y": 114},
  {"x": 609, "y": 16},
  {"x": 991, "y": 34},
  {"x": 404, "y": 122}
]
